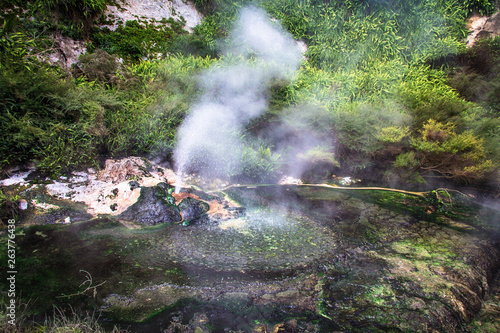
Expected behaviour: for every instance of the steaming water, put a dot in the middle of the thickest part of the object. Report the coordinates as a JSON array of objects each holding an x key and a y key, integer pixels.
[
  {"x": 265, "y": 239},
  {"x": 235, "y": 92}
]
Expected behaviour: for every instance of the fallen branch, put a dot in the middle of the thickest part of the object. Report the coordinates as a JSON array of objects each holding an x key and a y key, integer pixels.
[{"x": 89, "y": 287}]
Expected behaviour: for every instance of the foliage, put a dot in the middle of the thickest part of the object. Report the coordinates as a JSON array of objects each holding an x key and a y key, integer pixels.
[
  {"x": 9, "y": 207},
  {"x": 98, "y": 66},
  {"x": 452, "y": 154},
  {"x": 75, "y": 10},
  {"x": 476, "y": 76},
  {"x": 376, "y": 72},
  {"x": 352, "y": 34},
  {"x": 293, "y": 16},
  {"x": 426, "y": 93},
  {"x": 64, "y": 125},
  {"x": 483, "y": 7},
  {"x": 393, "y": 134},
  {"x": 203, "y": 41},
  {"x": 138, "y": 39},
  {"x": 75, "y": 18},
  {"x": 147, "y": 123},
  {"x": 30, "y": 104},
  {"x": 259, "y": 163},
  {"x": 65, "y": 149},
  {"x": 318, "y": 155},
  {"x": 86, "y": 5}
]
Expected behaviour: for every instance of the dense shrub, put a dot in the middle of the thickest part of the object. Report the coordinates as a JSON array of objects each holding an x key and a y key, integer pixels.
[
  {"x": 259, "y": 164},
  {"x": 139, "y": 39},
  {"x": 98, "y": 66},
  {"x": 476, "y": 76},
  {"x": 377, "y": 83},
  {"x": 147, "y": 122},
  {"x": 442, "y": 150},
  {"x": 30, "y": 103},
  {"x": 426, "y": 93}
]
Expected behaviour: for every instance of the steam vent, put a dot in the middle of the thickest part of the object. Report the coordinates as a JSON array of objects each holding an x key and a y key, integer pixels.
[
  {"x": 318, "y": 256},
  {"x": 271, "y": 166}
]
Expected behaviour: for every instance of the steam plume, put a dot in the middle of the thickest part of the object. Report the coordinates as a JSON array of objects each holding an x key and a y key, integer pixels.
[{"x": 235, "y": 91}]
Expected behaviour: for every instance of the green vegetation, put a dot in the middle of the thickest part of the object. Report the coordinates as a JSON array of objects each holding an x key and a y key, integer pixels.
[
  {"x": 139, "y": 39},
  {"x": 391, "y": 81},
  {"x": 260, "y": 164}
]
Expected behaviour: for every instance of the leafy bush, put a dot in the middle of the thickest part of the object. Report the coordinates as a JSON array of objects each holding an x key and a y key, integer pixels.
[
  {"x": 366, "y": 85},
  {"x": 98, "y": 66},
  {"x": 259, "y": 164},
  {"x": 393, "y": 134},
  {"x": 204, "y": 39},
  {"x": 30, "y": 103},
  {"x": 137, "y": 40},
  {"x": 75, "y": 9},
  {"x": 293, "y": 16},
  {"x": 489, "y": 129},
  {"x": 425, "y": 92},
  {"x": 147, "y": 122},
  {"x": 74, "y": 18},
  {"x": 476, "y": 77},
  {"x": 454, "y": 155},
  {"x": 66, "y": 149},
  {"x": 483, "y": 7},
  {"x": 84, "y": 5}
]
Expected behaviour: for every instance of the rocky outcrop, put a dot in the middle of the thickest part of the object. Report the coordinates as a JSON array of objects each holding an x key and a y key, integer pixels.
[
  {"x": 483, "y": 27},
  {"x": 152, "y": 208},
  {"x": 154, "y": 11},
  {"x": 64, "y": 52},
  {"x": 192, "y": 209}
]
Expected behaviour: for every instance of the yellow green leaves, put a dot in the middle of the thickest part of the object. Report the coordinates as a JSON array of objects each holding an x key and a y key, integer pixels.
[
  {"x": 451, "y": 154},
  {"x": 441, "y": 138},
  {"x": 393, "y": 134},
  {"x": 319, "y": 154}
]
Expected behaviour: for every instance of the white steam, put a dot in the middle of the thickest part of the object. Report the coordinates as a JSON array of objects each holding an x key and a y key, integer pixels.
[{"x": 234, "y": 92}]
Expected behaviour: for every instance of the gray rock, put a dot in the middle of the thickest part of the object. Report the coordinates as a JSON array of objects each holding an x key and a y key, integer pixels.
[
  {"x": 192, "y": 209},
  {"x": 151, "y": 208}
]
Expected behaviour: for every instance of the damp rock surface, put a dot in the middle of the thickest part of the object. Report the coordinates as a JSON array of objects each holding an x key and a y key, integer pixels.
[
  {"x": 192, "y": 209},
  {"x": 285, "y": 256},
  {"x": 151, "y": 209}
]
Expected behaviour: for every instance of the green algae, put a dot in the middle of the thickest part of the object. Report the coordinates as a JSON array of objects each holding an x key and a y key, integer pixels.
[{"x": 375, "y": 268}]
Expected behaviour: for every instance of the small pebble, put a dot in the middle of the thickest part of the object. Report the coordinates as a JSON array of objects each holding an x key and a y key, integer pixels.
[{"x": 23, "y": 204}]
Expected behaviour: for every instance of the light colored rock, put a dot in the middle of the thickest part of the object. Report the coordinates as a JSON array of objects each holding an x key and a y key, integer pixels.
[
  {"x": 23, "y": 204},
  {"x": 15, "y": 179},
  {"x": 118, "y": 171},
  {"x": 43, "y": 205},
  {"x": 155, "y": 10},
  {"x": 108, "y": 191},
  {"x": 65, "y": 52},
  {"x": 481, "y": 26}
]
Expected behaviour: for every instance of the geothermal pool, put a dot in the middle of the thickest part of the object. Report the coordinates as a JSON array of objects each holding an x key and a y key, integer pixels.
[{"x": 295, "y": 258}]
